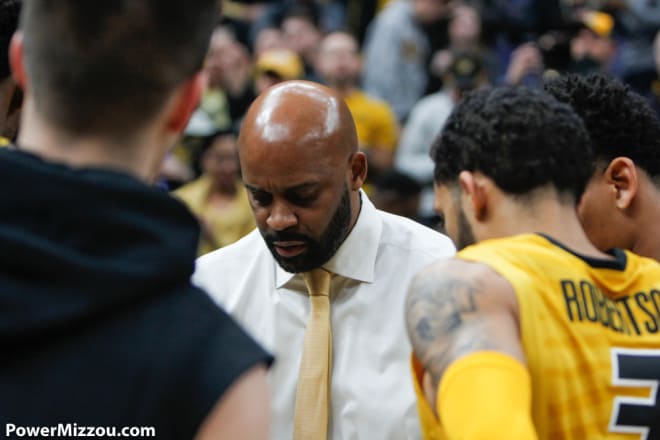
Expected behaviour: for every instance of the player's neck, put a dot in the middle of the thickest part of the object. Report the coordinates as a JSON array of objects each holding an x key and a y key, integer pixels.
[
  {"x": 545, "y": 215},
  {"x": 141, "y": 156}
]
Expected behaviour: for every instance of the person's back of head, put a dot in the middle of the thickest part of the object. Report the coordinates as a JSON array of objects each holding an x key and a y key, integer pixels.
[
  {"x": 620, "y": 122},
  {"x": 622, "y": 202},
  {"x": 515, "y": 153},
  {"x": 521, "y": 138},
  {"x": 106, "y": 67}
]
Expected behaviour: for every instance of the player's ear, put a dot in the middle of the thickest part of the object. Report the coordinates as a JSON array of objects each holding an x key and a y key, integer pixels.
[
  {"x": 621, "y": 175},
  {"x": 357, "y": 170},
  {"x": 16, "y": 59},
  {"x": 473, "y": 187}
]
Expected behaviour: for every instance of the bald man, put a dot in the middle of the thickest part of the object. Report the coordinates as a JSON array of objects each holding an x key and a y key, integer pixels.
[{"x": 303, "y": 171}]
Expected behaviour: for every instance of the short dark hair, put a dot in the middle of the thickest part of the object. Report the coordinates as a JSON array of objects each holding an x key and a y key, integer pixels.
[
  {"x": 521, "y": 138},
  {"x": 620, "y": 122},
  {"x": 9, "y": 12},
  {"x": 104, "y": 67}
]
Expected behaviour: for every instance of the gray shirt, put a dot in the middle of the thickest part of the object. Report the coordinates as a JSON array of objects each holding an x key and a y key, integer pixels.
[{"x": 395, "y": 54}]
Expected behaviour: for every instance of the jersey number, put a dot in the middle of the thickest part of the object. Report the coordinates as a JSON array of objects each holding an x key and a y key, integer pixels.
[{"x": 636, "y": 415}]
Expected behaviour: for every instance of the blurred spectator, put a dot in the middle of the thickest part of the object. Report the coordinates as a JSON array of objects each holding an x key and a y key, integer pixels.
[
  {"x": 465, "y": 35},
  {"x": 525, "y": 66},
  {"x": 327, "y": 15},
  {"x": 397, "y": 193},
  {"x": 637, "y": 23},
  {"x": 339, "y": 65},
  {"x": 266, "y": 39},
  {"x": 592, "y": 47},
  {"x": 229, "y": 68},
  {"x": 427, "y": 118},
  {"x": 218, "y": 197},
  {"x": 11, "y": 96},
  {"x": 230, "y": 91},
  {"x": 274, "y": 66},
  {"x": 397, "y": 50},
  {"x": 303, "y": 36}
]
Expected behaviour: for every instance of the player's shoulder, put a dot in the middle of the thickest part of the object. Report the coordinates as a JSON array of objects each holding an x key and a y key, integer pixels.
[{"x": 455, "y": 277}]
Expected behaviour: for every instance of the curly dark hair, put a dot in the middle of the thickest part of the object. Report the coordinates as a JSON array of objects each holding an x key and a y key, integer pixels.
[
  {"x": 521, "y": 138},
  {"x": 9, "y": 12},
  {"x": 620, "y": 122}
]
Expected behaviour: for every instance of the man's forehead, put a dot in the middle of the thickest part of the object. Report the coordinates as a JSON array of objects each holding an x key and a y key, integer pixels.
[{"x": 289, "y": 187}]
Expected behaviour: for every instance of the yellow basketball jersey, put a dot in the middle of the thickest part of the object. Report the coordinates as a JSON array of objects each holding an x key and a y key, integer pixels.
[{"x": 590, "y": 329}]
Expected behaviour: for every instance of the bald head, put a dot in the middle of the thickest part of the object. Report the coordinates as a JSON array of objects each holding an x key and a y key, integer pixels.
[
  {"x": 299, "y": 115},
  {"x": 301, "y": 165}
]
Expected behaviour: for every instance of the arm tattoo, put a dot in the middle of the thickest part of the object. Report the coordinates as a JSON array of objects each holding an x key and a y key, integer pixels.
[{"x": 442, "y": 316}]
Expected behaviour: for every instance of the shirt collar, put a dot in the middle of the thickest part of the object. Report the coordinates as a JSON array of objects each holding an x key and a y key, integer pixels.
[{"x": 356, "y": 257}]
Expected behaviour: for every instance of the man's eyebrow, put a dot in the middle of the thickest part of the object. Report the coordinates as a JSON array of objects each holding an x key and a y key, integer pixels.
[
  {"x": 303, "y": 186},
  {"x": 300, "y": 187}
]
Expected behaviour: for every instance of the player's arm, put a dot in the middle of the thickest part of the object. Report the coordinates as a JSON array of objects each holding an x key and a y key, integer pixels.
[
  {"x": 242, "y": 412},
  {"x": 462, "y": 320}
]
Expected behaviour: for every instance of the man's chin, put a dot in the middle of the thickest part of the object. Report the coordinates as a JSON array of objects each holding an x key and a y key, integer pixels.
[
  {"x": 293, "y": 264},
  {"x": 302, "y": 262}
]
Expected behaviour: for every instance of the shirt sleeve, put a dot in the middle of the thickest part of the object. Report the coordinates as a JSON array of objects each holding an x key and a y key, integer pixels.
[{"x": 216, "y": 352}]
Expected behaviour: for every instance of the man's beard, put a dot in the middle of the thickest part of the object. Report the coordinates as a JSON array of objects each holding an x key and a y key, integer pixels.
[{"x": 319, "y": 252}]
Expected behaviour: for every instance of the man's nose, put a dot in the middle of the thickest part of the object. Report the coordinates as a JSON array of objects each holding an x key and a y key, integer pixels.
[{"x": 281, "y": 217}]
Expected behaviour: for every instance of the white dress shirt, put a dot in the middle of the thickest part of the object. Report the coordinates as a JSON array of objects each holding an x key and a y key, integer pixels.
[{"x": 372, "y": 394}]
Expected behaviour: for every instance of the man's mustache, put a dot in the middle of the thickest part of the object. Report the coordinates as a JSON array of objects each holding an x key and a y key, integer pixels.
[{"x": 271, "y": 237}]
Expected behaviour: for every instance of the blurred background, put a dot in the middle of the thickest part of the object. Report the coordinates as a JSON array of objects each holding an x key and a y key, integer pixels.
[{"x": 401, "y": 66}]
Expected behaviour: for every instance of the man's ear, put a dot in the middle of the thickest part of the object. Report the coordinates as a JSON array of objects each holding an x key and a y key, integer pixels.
[
  {"x": 186, "y": 102},
  {"x": 16, "y": 59},
  {"x": 473, "y": 187},
  {"x": 358, "y": 170},
  {"x": 621, "y": 175}
]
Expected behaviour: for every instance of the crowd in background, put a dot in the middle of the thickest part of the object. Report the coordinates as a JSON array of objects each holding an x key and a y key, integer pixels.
[{"x": 401, "y": 66}]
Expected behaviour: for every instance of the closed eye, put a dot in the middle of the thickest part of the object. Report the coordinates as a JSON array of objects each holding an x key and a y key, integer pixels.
[
  {"x": 261, "y": 198},
  {"x": 302, "y": 199}
]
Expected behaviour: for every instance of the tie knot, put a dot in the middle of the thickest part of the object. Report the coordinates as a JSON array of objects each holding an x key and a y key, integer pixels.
[{"x": 317, "y": 282}]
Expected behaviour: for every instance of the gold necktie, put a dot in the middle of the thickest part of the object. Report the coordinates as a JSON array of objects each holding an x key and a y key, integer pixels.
[{"x": 313, "y": 391}]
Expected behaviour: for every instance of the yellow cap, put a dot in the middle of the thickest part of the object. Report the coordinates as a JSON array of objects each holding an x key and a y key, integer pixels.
[
  {"x": 599, "y": 22},
  {"x": 284, "y": 63}
]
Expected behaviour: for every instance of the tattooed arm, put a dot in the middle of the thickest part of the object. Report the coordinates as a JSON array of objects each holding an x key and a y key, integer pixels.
[{"x": 456, "y": 308}]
